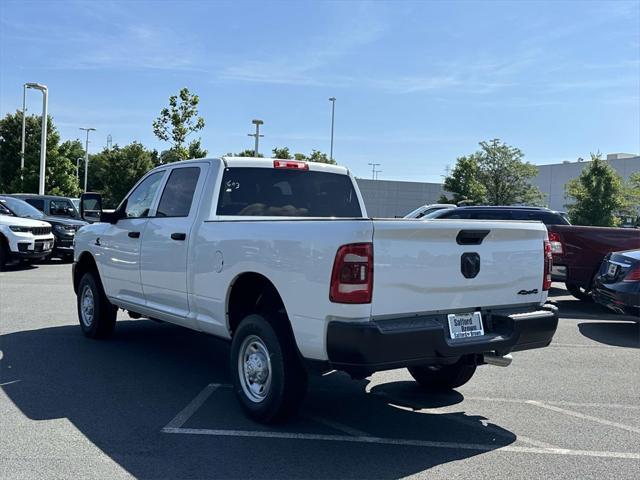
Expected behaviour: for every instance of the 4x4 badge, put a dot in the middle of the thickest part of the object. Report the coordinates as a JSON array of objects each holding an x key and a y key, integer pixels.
[{"x": 528, "y": 292}]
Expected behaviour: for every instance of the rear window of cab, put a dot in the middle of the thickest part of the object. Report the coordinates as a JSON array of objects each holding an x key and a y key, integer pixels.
[{"x": 267, "y": 192}]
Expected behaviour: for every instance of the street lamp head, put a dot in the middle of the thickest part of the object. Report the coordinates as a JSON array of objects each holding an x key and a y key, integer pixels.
[
  {"x": 90, "y": 129},
  {"x": 332, "y": 99},
  {"x": 257, "y": 122},
  {"x": 37, "y": 86}
]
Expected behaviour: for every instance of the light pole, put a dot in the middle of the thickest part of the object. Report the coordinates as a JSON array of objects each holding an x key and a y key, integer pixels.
[
  {"x": 78, "y": 160},
  {"x": 86, "y": 155},
  {"x": 373, "y": 170},
  {"x": 257, "y": 123},
  {"x": 43, "y": 136},
  {"x": 333, "y": 115},
  {"x": 24, "y": 128}
]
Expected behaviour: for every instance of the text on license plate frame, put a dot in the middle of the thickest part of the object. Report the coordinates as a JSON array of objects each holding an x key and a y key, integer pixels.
[{"x": 465, "y": 325}]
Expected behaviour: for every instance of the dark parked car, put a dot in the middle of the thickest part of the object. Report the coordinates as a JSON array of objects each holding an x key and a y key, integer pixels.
[
  {"x": 64, "y": 229},
  {"x": 544, "y": 215},
  {"x": 617, "y": 283},
  {"x": 51, "y": 205}
]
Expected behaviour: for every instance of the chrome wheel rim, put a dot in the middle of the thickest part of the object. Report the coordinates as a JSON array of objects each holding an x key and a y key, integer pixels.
[
  {"x": 254, "y": 368},
  {"x": 87, "y": 305}
]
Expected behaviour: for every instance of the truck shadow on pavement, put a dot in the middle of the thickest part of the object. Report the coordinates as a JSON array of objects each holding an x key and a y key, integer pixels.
[
  {"x": 619, "y": 334},
  {"x": 120, "y": 394}
]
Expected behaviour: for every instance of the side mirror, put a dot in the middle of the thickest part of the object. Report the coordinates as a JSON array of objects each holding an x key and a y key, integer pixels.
[{"x": 91, "y": 207}]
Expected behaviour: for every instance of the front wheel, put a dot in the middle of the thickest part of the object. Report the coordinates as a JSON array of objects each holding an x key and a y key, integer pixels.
[
  {"x": 268, "y": 376},
  {"x": 443, "y": 377},
  {"x": 96, "y": 314}
]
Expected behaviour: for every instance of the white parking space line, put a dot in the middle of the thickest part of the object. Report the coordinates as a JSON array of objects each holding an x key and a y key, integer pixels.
[
  {"x": 358, "y": 436},
  {"x": 555, "y": 402},
  {"x": 186, "y": 413},
  {"x": 401, "y": 442},
  {"x": 489, "y": 427},
  {"x": 582, "y": 345},
  {"x": 585, "y": 417}
]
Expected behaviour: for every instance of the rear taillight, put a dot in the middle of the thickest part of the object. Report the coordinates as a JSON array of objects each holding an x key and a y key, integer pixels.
[
  {"x": 548, "y": 264},
  {"x": 352, "y": 275},
  {"x": 290, "y": 164},
  {"x": 633, "y": 275},
  {"x": 556, "y": 244}
]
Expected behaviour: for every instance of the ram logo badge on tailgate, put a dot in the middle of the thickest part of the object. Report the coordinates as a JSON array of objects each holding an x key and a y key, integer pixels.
[{"x": 470, "y": 264}]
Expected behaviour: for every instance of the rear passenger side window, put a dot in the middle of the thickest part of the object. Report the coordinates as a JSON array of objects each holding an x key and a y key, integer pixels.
[{"x": 177, "y": 196}]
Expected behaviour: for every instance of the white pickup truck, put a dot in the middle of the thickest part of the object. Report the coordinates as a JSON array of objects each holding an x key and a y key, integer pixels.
[{"x": 279, "y": 257}]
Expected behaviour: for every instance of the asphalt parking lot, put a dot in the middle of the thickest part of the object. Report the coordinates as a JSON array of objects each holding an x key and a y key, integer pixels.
[{"x": 154, "y": 402}]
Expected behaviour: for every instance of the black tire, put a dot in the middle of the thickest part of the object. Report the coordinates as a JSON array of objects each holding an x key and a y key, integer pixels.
[
  {"x": 3, "y": 253},
  {"x": 437, "y": 378},
  {"x": 579, "y": 292},
  {"x": 103, "y": 319},
  {"x": 285, "y": 384}
]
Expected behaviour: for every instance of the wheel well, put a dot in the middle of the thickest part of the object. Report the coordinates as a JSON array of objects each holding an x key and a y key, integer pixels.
[
  {"x": 85, "y": 264},
  {"x": 253, "y": 293}
]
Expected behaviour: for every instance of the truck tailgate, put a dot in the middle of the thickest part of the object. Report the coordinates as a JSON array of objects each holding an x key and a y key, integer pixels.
[{"x": 419, "y": 265}]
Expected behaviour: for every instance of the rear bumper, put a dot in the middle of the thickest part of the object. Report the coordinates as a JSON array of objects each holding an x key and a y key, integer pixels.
[
  {"x": 622, "y": 302},
  {"x": 420, "y": 340}
]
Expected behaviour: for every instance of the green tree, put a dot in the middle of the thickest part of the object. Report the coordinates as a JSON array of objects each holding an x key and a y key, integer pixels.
[
  {"x": 195, "y": 149},
  {"x": 502, "y": 177},
  {"x": 301, "y": 157},
  {"x": 281, "y": 153},
  {"x": 60, "y": 175},
  {"x": 319, "y": 157},
  {"x": 632, "y": 194},
  {"x": 177, "y": 122},
  {"x": 598, "y": 195},
  {"x": 463, "y": 182},
  {"x": 114, "y": 171},
  {"x": 244, "y": 153},
  {"x": 506, "y": 176},
  {"x": 73, "y": 150}
]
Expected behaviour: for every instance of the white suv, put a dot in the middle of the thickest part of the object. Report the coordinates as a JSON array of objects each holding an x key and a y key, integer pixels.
[{"x": 22, "y": 238}]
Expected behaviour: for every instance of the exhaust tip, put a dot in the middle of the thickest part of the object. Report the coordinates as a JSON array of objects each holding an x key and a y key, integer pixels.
[{"x": 498, "y": 360}]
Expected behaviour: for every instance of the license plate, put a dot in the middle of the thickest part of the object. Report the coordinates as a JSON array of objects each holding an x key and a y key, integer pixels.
[
  {"x": 46, "y": 246},
  {"x": 612, "y": 270},
  {"x": 465, "y": 325}
]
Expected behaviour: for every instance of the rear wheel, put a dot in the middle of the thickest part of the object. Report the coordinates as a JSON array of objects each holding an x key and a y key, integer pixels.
[
  {"x": 268, "y": 376},
  {"x": 579, "y": 292},
  {"x": 443, "y": 377},
  {"x": 96, "y": 315}
]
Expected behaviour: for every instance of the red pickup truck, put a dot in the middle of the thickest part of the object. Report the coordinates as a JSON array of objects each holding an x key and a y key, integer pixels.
[{"x": 578, "y": 252}]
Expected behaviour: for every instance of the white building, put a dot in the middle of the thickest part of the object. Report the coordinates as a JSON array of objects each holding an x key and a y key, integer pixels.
[
  {"x": 390, "y": 198},
  {"x": 552, "y": 178}
]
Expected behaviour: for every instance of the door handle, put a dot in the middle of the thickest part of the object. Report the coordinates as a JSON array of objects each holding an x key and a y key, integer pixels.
[
  {"x": 178, "y": 236},
  {"x": 134, "y": 234}
]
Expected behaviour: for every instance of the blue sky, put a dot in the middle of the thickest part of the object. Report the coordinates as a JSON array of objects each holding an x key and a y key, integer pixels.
[{"x": 417, "y": 83}]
